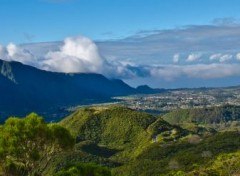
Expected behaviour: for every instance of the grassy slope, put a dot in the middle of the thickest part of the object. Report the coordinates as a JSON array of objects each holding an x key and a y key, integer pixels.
[
  {"x": 118, "y": 128},
  {"x": 112, "y": 136},
  {"x": 204, "y": 115},
  {"x": 122, "y": 139},
  {"x": 225, "y": 117},
  {"x": 184, "y": 155}
]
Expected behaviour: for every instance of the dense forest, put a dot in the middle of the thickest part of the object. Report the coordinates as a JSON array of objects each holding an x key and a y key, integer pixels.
[
  {"x": 119, "y": 141},
  {"x": 219, "y": 118}
]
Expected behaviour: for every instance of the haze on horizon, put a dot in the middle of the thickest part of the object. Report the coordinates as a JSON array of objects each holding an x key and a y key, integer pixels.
[{"x": 168, "y": 44}]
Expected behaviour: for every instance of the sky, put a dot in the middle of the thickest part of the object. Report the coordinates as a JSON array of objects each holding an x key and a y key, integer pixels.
[
  {"x": 53, "y": 20},
  {"x": 162, "y": 43}
]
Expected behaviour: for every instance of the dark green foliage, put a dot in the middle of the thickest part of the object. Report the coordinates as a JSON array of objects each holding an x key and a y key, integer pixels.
[
  {"x": 167, "y": 131},
  {"x": 177, "y": 117},
  {"x": 115, "y": 126},
  {"x": 159, "y": 126},
  {"x": 94, "y": 149},
  {"x": 211, "y": 115},
  {"x": 226, "y": 164},
  {"x": 83, "y": 169},
  {"x": 61, "y": 136},
  {"x": 222, "y": 117},
  {"x": 25, "y": 142},
  {"x": 185, "y": 154}
]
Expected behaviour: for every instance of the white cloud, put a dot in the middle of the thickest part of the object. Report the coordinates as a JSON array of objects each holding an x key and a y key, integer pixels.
[
  {"x": 78, "y": 54},
  {"x": 212, "y": 71},
  {"x": 176, "y": 58},
  {"x": 238, "y": 56},
  {"x": 193, "y": 57},
  {"x": 229, "y": 21},
  {"x": 215, "y": 56},
  {"x": 203, "y": 71},
  {"x": 225, "y": 58},
  {"x": 74, "y": 55},
  {"x": 12, "y": 50},
  {"x": 160, "y": 44},
  {"x": 3, "y": 53},
  {"x": 13, "y": 53},
  {"x": 221, "y": 57},
  {"x": 157, "y": 45}
]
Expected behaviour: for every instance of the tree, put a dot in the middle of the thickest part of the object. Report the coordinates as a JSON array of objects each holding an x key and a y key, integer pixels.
[
  {"x": 28, "y": 142},
  {"x": 227, "y": 164},
  {"x": 84, "y": 169}
]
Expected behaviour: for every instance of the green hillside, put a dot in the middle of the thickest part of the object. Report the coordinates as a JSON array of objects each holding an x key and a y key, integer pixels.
[
  {"x": 113, "y": 136},
  {"x": 137, "y": 143},
  {"x": 119, "y": 128},
  {"x": 191, "y": 156},
  {"x": 115, "y": 139},
  {"x": 225, "y": 117}
]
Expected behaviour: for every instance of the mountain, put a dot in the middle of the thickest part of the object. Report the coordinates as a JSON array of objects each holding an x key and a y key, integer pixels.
[
  {"x": 145, "y": 89},
  {"x": 24, "y": 89}
]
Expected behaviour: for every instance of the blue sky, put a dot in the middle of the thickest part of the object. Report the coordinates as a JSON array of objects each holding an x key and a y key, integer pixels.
[
  {"x": 53, "y": 20},
  {"x": 163, "y": 43}
]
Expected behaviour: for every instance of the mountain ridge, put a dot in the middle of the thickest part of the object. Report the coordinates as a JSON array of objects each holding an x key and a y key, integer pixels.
[{"x": 25, "y": 89}]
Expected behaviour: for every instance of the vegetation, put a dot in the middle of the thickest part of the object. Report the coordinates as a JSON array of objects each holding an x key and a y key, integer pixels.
[
  {"x": 115, "y": 140},
  {"x": 26, "y": 143},
  {"x": 81, "y": 169},
  {"x": 153, "y": 146},
  {"x": 205, "y": 115},
  {"x": 119, "y": 128},
  {"x": 186, "y": 156},
  {"x": 219, "y": 118}
]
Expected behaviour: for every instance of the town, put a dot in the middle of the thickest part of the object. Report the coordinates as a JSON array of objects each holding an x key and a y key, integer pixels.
[{"x": 182, "y": 98}]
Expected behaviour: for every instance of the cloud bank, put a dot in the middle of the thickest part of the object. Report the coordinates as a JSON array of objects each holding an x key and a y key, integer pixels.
[
  {"x": 201, "y": 53},
  {"x": 74, "y": 55},
  {"x": 13, "y": 53},
  {"x": 189, "y": 42},
  {"x": 80, "y": 54},
  {"x": 202, "y": 71}
]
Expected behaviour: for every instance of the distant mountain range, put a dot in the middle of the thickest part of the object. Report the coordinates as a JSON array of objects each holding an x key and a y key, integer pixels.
[{"x": 24, "y": 89}]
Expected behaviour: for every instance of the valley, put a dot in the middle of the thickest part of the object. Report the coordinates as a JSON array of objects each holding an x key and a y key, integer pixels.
[
  {"x": 120, "y": 88},
  {"x": 117, "y": 130}
]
